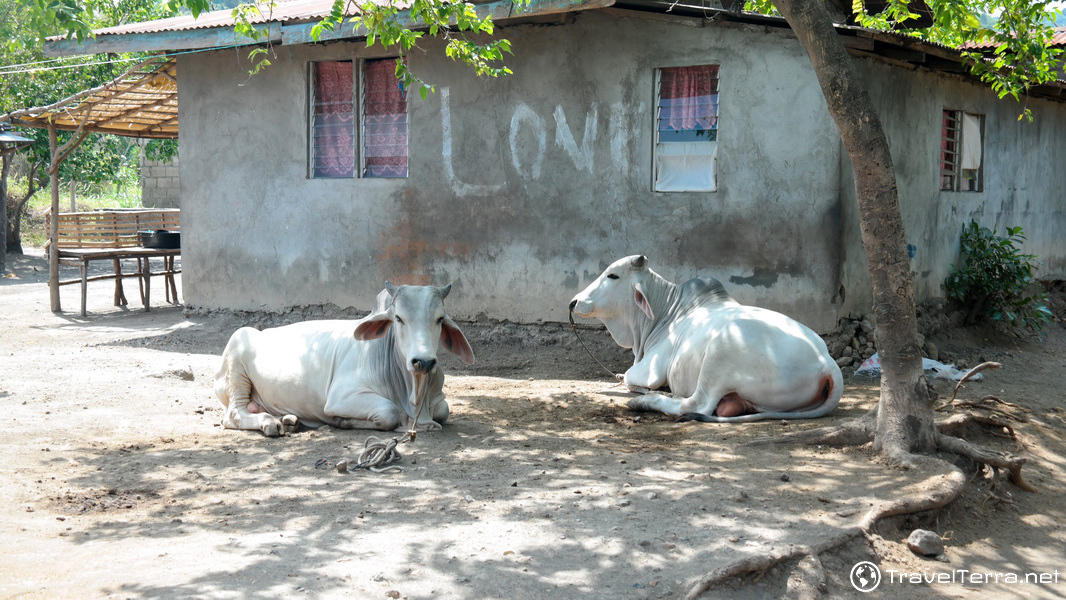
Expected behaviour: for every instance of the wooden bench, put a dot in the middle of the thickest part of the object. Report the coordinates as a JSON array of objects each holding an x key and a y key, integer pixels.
[{"x": 115, "y": 235}]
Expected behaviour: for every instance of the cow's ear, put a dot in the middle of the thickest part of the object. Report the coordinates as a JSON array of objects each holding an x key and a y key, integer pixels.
[
  {"x": 642, "y": 301},
  {"x": 373, "y": 326},
  {"x": 454, "y": 340}
]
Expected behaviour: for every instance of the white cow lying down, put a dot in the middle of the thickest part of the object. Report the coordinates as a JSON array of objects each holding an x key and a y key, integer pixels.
[
  {"x": 722, "y": 361},
  {"x": 374, "y": 373}
]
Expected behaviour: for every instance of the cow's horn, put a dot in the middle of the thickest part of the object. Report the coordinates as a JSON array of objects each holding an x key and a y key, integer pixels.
[
  {"x": 639, "y": 262},
  {"x": 391, "y": 288},
  {"x": 444, "y": 291}
]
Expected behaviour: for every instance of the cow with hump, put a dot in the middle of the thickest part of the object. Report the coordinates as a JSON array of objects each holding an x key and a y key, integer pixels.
[
  {"x": 721, "y": 361},
  {"x": 379, "y": 372}
]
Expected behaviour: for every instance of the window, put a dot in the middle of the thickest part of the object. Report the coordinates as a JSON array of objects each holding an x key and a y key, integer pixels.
[
  {"x": 961, "y": 151},
  {"x": 384, "y": 121},
  {"x": 333, "y": 119},
  {"x": 686, "y": 129},
  {"x": 384, "y": 141}
]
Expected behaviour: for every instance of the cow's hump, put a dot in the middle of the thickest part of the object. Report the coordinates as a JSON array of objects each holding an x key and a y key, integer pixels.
[{"x": 704, "y": 290}]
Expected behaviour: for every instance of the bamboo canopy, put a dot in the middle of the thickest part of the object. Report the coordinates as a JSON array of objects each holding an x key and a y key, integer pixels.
[{"x": 142, "y": 103}]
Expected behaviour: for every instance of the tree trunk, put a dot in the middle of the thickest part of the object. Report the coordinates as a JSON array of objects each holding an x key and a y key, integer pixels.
[
  {"x": 53, "y": 231},
  {"x": 904, "y": 421},
  {"x": 5, "y": 167},
  {"x": 14, "y": 238}
]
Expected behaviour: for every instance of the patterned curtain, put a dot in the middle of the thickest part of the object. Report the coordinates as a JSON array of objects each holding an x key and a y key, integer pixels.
[
  {"x": 334, "y": 120},
  {"x": 384, "y": 121},
  {"x": 688, "y": 98}
]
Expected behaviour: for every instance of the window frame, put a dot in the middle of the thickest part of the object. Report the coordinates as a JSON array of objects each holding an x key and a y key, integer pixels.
[
  {"x": 657, "y": 142},
  {"x": 952, "y": 177},
  {"x": 311, "y": 116},
  {"x": 359, "y": 114},
  {"x": 362, "y": 96}
]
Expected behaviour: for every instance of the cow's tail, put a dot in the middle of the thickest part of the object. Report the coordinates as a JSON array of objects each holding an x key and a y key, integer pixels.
[{"x": 830, "y": 390}]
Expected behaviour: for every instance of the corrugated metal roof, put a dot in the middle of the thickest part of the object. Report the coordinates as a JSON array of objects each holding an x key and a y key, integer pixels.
[
  {"x": 284, "y": 11},
  {"x": 1057, "y": 41}
]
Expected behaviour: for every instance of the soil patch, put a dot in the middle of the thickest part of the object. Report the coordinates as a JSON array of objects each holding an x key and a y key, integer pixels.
[{"x": 119, "y": 482}]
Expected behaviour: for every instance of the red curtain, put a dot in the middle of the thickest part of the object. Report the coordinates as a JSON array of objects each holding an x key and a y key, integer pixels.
[
  {"x": 384, "y": 121},
  {"x": 334, "y": 122},
  {"x": 688, "y": 98}
]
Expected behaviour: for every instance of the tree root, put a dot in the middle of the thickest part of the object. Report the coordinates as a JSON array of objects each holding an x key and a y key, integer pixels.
[
  {"x": 808, "y": 579},
  {"x": 757, "y": 564},
  {"x": 809, "y": 575},
  {"x": 994, "y": 460},
  {"x": 850, "y": 433},
  {"x": 969, "y": 374}
]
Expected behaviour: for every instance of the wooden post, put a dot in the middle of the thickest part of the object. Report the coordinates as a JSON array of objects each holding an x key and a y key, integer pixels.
[{"x": 53, "y": 233}]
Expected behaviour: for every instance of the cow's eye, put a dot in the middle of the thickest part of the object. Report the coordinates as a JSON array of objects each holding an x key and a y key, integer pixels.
[
  {"x": 440, "y": 320},
  {"x": 399, "y": 320},
  {"x": 612, "y": 276}
]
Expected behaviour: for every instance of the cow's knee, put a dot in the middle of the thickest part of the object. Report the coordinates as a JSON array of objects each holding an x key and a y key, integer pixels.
[{"x": 440, "y": 412}]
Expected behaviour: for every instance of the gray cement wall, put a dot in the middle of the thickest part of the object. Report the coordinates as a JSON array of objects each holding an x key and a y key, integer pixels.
[
  {"x": 522, "y": 189},
  {"x": 1025, "y": 184},
  {"x": 160, "y": 184}
]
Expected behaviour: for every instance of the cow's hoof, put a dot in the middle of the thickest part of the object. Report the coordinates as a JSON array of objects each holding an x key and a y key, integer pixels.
[
  {"x": 289, "y": 424},
  {"x": 640, "y": 403},
  {"x": 272, "y": 428},
  {"x": 431, "y": 426}
]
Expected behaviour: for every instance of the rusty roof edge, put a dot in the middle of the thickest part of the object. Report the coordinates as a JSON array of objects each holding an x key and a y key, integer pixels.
[
  {"x": 211, "y": 32},
  {"x": 1052, "y": 90},
  {"x": 501, "y": 11}
]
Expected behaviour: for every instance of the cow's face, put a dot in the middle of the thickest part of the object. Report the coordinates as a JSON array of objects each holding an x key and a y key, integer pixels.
[
  {"x": 416, "y": 316},
  {"x": 617, "y": 297}
]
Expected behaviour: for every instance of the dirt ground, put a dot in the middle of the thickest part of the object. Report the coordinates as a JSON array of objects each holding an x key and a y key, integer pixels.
[{"x": 118, "y": 481}]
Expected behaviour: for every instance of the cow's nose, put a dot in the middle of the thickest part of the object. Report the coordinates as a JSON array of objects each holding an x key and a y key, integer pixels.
[
  {"x": 573, "y": 303},
  {"x": 423, "y": 365}
]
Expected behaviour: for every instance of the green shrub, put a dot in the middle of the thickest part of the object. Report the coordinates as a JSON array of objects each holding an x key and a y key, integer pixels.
[{"x": 996, "y": 279}]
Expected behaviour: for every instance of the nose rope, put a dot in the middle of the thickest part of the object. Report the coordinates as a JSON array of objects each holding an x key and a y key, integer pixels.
[
  {"x": 573, "y": 326},
  {"x": 378, "y": 453}
]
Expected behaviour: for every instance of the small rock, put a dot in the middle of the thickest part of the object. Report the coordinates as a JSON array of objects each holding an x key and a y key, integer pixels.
[
  {"x": 845, "y": 361},
  {"x": 342, "y": 466},
  {"x": 932, "y": 351},
  {"x": 651, "y": 495},
  {"x": 785, "y": 477},
  {"x": 925, "y": 543},
  {"x": 392, "y": 594}
]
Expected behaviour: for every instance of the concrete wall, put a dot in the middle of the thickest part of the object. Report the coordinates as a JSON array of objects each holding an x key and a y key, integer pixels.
[
  {"x": 522, "y": 189},
  {"x": 160, "y": 185},
  {"x": 1024, "y": 181}
]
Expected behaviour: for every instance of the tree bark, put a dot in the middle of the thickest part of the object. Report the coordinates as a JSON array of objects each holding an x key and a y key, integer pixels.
[
  {"x": 53, "y": 232},
  {"x": 904, "y": 423},
  {"x": 5, "y": 167}
]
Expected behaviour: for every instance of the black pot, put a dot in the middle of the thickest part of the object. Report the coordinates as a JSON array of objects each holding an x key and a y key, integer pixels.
[{"x": 161, "y": 239}]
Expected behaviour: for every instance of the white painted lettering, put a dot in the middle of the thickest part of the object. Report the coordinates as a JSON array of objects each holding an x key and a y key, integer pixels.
[
  {"x": 460, "y": 188},
  {"x": 582, "y": 156},
  {"x": 525, "y": 114}
]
